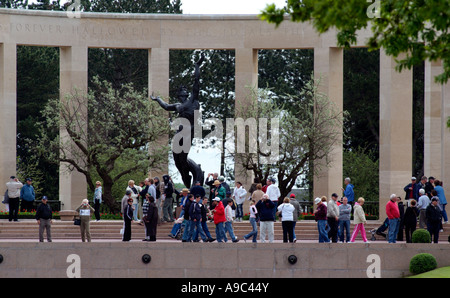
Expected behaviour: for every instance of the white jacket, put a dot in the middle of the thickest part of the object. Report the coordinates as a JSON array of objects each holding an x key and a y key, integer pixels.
[
  {"x": 14, "y": 188},
  {"x": 239, "y": 195}
]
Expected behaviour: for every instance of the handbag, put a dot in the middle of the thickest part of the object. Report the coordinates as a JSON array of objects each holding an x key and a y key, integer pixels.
[{"x": 77, "y": 221}]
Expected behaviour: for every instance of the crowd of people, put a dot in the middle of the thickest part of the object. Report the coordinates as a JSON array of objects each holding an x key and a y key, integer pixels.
[{"x": 152, "y": 202}]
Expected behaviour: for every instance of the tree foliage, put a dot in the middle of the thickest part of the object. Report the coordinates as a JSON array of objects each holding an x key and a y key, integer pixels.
[
  {"x": 101, "y": 128},
  {"x": 304, "y": 137},
  {"x": 418, "y": 29}
]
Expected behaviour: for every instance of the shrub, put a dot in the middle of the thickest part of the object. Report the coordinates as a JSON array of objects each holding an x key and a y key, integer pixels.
[
  {"x": 421, "y": 236},
  {"x": 421, "y": 263}
]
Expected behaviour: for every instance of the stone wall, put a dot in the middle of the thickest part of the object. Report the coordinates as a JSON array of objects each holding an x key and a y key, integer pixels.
[{"x": 212, "y": 260}]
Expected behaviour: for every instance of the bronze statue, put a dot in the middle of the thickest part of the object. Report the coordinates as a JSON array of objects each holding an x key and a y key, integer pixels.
[{"x": 185, "y": 108}]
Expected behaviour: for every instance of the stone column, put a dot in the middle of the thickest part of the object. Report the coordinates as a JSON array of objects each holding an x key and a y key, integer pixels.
[
  {"x": 445, "y": 137},
  {"x": 8, "y": 109},
  {"x": 329, "y": 67},
  {"x": 432, "y": 122},
  {"x": 158, "y": 83},
  {"x": 395, "y": 130},
  {"x": 73, "y": 72},
  {"x": 246, "y": 80}
]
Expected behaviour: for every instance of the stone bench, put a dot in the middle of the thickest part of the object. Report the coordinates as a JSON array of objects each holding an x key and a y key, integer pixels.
[{"x": 67, "y": 215}]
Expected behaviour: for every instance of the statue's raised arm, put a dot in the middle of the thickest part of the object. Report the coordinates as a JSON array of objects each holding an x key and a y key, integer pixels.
[
  {"x": 163, "y": 104},
  {"x": 196, "y": 86}
]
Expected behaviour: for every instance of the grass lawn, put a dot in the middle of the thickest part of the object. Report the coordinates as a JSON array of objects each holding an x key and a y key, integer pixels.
[{"x": 443, "y": 272}]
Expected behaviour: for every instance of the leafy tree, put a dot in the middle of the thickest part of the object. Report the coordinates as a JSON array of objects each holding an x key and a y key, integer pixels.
[
  {"x": 303, "y": 138},
  {"x": 121, "y": 125},
  {"x": 418, "y": 29}
]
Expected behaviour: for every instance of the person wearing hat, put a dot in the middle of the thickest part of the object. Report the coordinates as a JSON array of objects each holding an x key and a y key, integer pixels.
[
  {"x": 28, "y": 196},
  {"x": 219, "y": 219},
  {"x": 13, "y": 188},
  {"x": 44, "y": 219},
  {"x": 320, "y": 216},
  {"x": 411, "y": 190},
  {"x": 219, "y": 191}
]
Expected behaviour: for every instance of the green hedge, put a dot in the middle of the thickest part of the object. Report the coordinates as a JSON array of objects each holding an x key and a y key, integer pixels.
[
  {"x": 421, "y": 263},
  {"x": 421, "y": 236}
]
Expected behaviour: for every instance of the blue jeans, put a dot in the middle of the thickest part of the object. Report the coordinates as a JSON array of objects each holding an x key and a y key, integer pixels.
[
  {"x": 187, "y": 234},
  {"x": 239, "y": 211},
  {"x": 197, "y": 225},
  {"x": 394, "y": 225},
  {"x": 444, "y": 213},
  {"x": 229, "y": 229},
  {"x": 323, "y": 234},
  {"x": 205, "y": 230},
  {"x": 220, "y": 233},
  {"x": 344, "y": 224},
  {"x": 254, "y": 231}
]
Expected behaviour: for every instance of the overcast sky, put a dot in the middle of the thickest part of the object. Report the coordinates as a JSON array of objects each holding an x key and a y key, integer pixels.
[{"x": 227, "y": 6}]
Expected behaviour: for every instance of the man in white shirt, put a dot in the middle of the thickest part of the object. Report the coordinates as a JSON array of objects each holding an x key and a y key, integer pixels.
[
  {"x": 274, "y": 194},
  {"x": 239, "y": 197},
  {"x": 422, "y": 205},
  {"x": 13, "y": 186}
]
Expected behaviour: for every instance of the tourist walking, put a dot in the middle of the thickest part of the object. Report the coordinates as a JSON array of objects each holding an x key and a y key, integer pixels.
[
  {"x": 204, "y": 222},
  {"x": 359, "y": 219},
  {"x": 345, "y": 211},
  {"x": 253, "y": 218},
  {"x": 266, "y": 218},
  {"x": 13, "y": 188},
  {"x": 286, "y": 213},
  {"x": 219, "y": 218},
  {"x": 44, "y": 219},
  {"x": 229, "y": 221},
  {"x": 127, "y": 218},
  {"x": 195, "y": 213},
  {"x": 393, "y": 215},
  {"x": 320, "y": 215},
  {"x": 150, "y": 218},
  {"x": 332, "y": 218},
  {"x": 97, "y": 199},
  {"x": 84, "y": 211},
  {"x": 187, "y": 233},
  {"x": 410, "y": 220},
  {"x": 422, "y": 205}
]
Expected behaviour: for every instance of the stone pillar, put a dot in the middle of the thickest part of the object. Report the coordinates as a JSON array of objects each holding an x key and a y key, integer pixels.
[
  {"x": 73, "y": 72},
  {"x": 395, "y": 130},
  {"x": 158, "y": 83},
  {"x": 329, "y": 67},
  {"x": 8, "y": 104},
  {"x": 445, "y": 136},
  {"x": 433, "y": 121},
  {"x": 246, "y": 80}
]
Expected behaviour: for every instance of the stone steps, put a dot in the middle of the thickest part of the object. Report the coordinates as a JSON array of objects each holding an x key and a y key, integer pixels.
[{"x": 110, "y": 229}]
